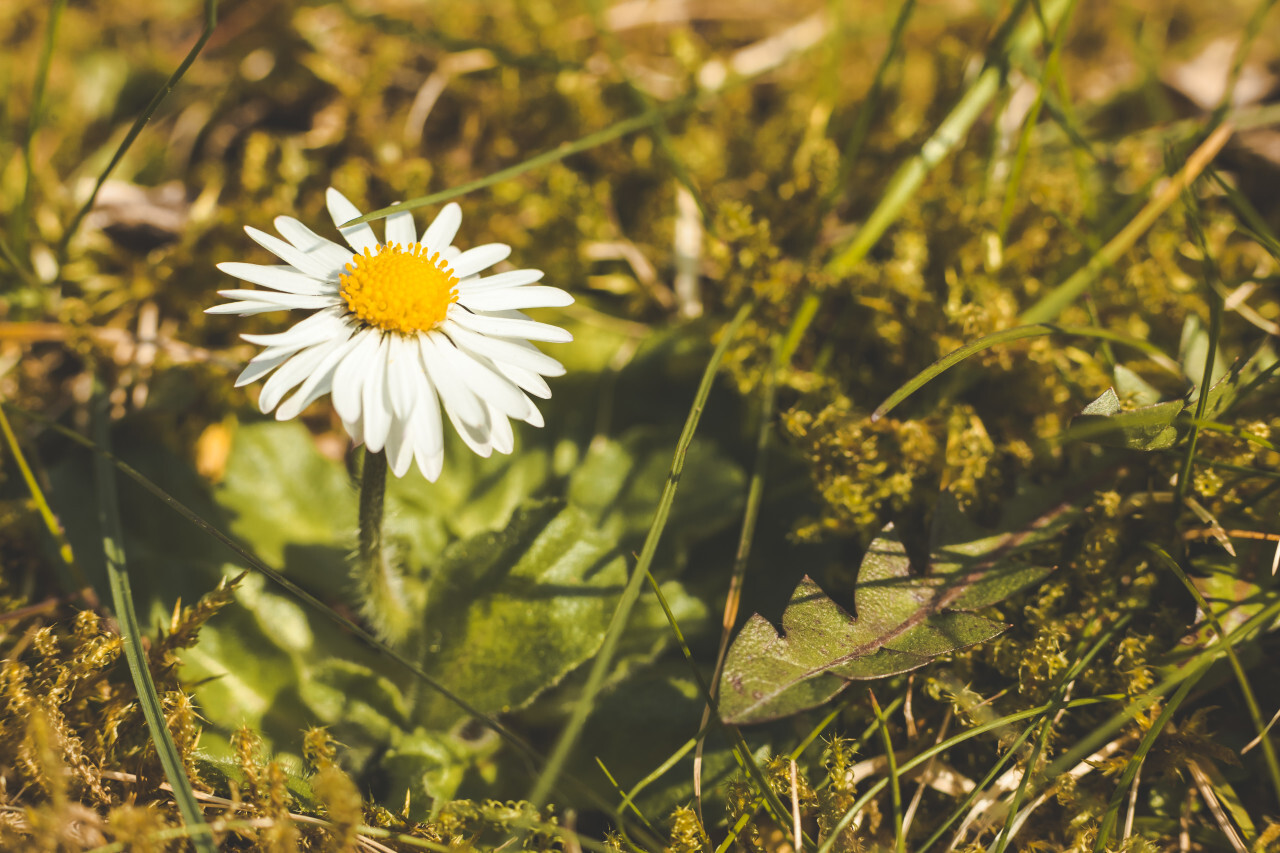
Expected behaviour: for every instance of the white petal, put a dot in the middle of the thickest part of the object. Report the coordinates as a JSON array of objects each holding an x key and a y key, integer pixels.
[
  {"x": 502, "y": 350},
  {"x": 294, "y": 371},
  {"x": 319, "y": 383},
  {"x": 375, "y": 416},
  {"x": 526, "y": 379},
  {"x": 244, "y": 309},
  {"x": 480, "y": 258},
  {"x": 509, "y": 328},
  {"x": 495, "y": 390},
  {"x": 513, "y": 278},
  {"x": 400, "y": 229},
  {"x": 356, "y": 430},
  {"x": 428, "y": 431},
  {"x": 312, "y": 330},
  {"x": 402, "y": 364},
  {"x": 312, "y": 265},
  {"x": 359, "y": 237},
  {"x": 284, "y": 301},
  {"x": 283, "y": 278},
  {"x": 458, "y": 399},
  {"x": 440, "y": 233},
  {"x": 515, "y": 297},
  {"x": 431, "y": 466},
  {"x": 399, "y": 447},
  {"x": 317, "y": 248},
  {"x": 349, "y": 378},
  {"x": 477, "y": 438},
  {"x": 259, "y": 367},
  {"x": 502, "y": 437}
]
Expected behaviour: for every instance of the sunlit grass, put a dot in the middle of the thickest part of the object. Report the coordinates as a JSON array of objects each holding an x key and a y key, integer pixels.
[{"x": 834, "y": 270}]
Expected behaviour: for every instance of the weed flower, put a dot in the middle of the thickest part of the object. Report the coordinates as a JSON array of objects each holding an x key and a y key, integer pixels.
[{"x": 400, "y": 327}]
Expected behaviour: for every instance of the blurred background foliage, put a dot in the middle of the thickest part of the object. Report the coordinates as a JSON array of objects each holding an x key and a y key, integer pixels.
[{"x": 778, "y": 137}]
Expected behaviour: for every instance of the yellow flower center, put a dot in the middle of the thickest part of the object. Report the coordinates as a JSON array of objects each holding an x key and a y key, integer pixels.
[{"x": 399, "y": 290}]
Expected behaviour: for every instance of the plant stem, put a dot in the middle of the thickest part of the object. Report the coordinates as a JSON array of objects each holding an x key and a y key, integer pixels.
[{"x": 373, "y": 491}]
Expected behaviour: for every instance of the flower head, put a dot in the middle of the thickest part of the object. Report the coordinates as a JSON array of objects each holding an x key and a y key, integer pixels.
[{"x": 400, "y": 327}]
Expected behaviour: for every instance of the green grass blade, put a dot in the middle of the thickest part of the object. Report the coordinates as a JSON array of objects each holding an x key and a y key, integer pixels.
[
  {"x": 42, "y": 507},
  {"x": 131, "y": 635},
  {"x": 22, "y": 218},
  {"x": 949, "y": 134},
  {"x": 210, "y": 21},
  {"x": 1250, "y": 699},
  {"x": 895, "y": 789},
  {"x": 1214, "y": 296},
  {"x": 592, "y": 140},
  {"x": 870, "y": 104},
  {"x": 1052, "y": 304},
  {"x": 938, "y": 749},
  {"x": 1139, "y": 755},
  {"x": 604, "y": 658},
  {"x": 1005, "y": 336}
]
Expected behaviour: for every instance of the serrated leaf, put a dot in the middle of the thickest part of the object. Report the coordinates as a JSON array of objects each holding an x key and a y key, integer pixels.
[{"x": 903, "y": 620}]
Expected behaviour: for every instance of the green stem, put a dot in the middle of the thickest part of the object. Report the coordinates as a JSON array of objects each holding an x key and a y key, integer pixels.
[
  {"x": 386, "y": 603},
  {"x": 373, "y": 491}
]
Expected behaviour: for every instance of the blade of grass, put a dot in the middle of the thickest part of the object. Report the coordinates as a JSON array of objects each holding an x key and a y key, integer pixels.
[
  {"x": 1250, "y": 700},
  {"x": 1214, "y": 296},
  {"x": 1139, "y": 755},
  {"x": 210, "y": 21},
  {"x": 1006, "y": 832},
  {"x": 22, "y": 217},
  {"x": 1054, "y": 705},
  {"x": 604, "y": 658},
  {"x": 939, "y": 748},
  {"x": 949, "y": 134},
  {"x": 591, "y": 140},
  {"x": 777, "y": 809},
  {"x": 869, "y": 105},
  {"x": 1005, "y": 336},
  {"x": 42, "y": 507},
  {"x": 1047, "y": 73},
  {"x": 1053, "y": 303},
  {"x": 895, "y": 789},
  {"x": 784, "y": 348},
  {"x": 131, "y": 636},
  {"x": 628, "y": 796}
]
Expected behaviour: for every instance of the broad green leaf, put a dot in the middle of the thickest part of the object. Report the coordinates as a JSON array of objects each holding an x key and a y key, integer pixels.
[
  {"x": 903, "y": 619},
  {"x": 511, "y": 612},
  {"x": 295, "y": 507}
]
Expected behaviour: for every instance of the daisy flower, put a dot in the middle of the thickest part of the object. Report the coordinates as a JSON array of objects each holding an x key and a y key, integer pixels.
[{"x": 402, "y": 327}]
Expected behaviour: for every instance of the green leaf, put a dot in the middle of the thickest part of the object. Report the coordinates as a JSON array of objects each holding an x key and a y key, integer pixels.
[
  {"x": 1163, "y": 425},
  {"x": 511, "y": 612},
  {"x": 1193, "y": 352},
  {"x": 1148, "y": 428},
  {"x": 904, "y": 619},
  {"x": 295, "y": 507}
]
